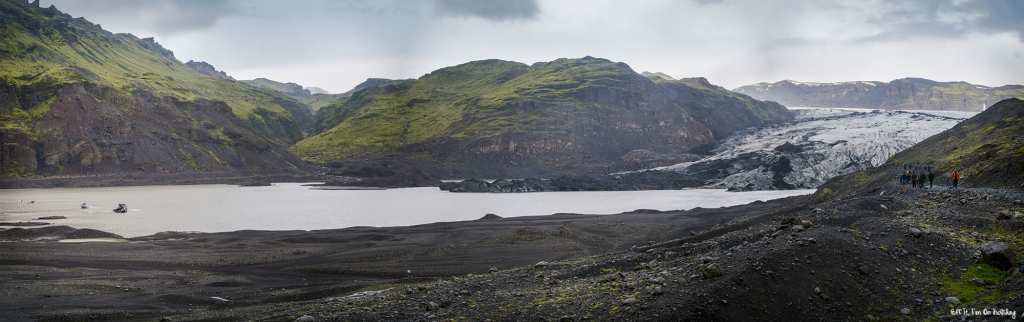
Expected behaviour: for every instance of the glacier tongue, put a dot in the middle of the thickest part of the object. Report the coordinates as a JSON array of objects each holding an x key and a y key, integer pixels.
[{"x": 819, "y": 144}]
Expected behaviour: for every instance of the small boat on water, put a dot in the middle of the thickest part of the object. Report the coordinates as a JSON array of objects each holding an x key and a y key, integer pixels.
[
  {"x": 84, "y": 206},
  {"x": 121, "y": 208}
]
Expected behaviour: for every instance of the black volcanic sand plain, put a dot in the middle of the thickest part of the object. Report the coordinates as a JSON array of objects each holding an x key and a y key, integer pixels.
[
  {"x": 243, "y": 274},
  {"x": 891, "y": 253}
]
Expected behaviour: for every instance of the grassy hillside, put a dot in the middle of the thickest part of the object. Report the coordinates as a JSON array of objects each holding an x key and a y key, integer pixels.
[
  {"x": 551, "y": 113},
  {"x": 78, "y": 100},
  {"x": 42, "y": 49}
]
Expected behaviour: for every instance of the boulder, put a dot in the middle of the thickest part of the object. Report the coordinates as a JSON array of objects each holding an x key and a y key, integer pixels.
[
  {"x": 998, "y": 254},
  {"x": 712, "y": 271},
  {"x": 1003, "y": 215}
]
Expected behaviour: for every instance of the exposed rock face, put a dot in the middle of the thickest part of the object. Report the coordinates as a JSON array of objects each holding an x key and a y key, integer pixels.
[
  {"x": 506, "y": 119},
  {"x": 207, "y": 69},
  {"x": 904, "y": 94},
  {"x": 83, "y": 135}
]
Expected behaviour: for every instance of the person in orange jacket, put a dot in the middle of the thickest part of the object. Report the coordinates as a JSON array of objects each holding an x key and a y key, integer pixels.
[{"x": 956, "y": 177}]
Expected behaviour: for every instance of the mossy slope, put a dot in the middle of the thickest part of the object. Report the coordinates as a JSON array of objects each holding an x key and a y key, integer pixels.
[
  {"x": 43, "y": 49},
  {"x": 76, "y": 99}
]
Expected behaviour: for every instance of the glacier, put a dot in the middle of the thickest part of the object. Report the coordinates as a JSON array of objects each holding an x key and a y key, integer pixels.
[{"x": 819, "y": 144}]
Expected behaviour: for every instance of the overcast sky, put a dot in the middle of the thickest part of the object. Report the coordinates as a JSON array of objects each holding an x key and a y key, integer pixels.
[{"x": 336, "y": 44}]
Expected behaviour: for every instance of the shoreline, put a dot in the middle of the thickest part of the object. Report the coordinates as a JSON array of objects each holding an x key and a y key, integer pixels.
[{"x": 176, "y": 272}]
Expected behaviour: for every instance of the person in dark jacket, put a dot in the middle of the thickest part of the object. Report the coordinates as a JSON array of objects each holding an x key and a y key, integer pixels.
[{"x": 931, "y": 179}]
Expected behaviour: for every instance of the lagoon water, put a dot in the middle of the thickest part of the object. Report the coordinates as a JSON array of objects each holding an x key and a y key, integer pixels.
[{"x": 292, "y": 206}]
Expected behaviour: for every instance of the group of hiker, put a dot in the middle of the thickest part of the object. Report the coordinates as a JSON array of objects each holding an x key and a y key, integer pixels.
[{"x": 917, "y": 176}]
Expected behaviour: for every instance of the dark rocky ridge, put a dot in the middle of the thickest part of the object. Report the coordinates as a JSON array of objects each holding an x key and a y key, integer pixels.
[
  {"x": 381, "y": 176},
  {"x": 207, "y": 69},
  {"x": 903, "y": 94},
  {"x": 641, "y": 180}
]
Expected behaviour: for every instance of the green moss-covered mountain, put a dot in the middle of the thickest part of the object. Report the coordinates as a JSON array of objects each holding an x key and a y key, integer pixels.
[
  {"x": 506, "y": 118},
  {"x": 900, "y": 94},
  {"x": 76, "y": 99},
  {"x": 317, "y": 101}
]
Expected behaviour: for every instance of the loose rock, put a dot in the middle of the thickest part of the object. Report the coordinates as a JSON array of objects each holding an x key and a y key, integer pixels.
[
  {"x": 998, "y": 254},
  {"x": 712, "y": 271},
  {"x": 915, "y": 232}
]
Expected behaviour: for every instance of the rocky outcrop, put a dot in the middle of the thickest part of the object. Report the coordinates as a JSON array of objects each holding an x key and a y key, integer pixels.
[
  {"x": 902, "y": 94},
  {"x": 207, "y": 69},
  {"x": 500, "y": 185}
]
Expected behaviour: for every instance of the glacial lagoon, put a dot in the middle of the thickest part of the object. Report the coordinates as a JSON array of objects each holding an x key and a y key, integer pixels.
[{"x": 293, "y": 206}]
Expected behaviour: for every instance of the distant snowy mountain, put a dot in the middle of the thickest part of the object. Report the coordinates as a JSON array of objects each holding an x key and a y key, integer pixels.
[
  {"x": 818, "y": 145},
  {"x": 900, "y": 94}
]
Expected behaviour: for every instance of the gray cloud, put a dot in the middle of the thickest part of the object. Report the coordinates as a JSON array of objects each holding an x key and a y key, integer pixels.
[
  {"x": 493, "y": 10},
  {"x": 947, "y": 19},
  {"x": 164, "y": 17},
  {"x": 707, "y": 2}
]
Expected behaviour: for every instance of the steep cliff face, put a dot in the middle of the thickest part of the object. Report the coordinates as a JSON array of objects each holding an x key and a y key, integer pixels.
[
  {"x": 507, "y": 118},
  {"x": 904, "y": 94},
  {"x": 76, "y": 99},
  {"x": 91, "y": 130}
]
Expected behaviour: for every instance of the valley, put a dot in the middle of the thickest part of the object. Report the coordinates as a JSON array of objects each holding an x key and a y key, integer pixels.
[{"x": 508, "y": 182}]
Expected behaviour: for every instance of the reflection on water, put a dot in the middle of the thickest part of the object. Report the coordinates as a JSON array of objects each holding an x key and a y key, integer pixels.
[{"x": 291, "y": 206}]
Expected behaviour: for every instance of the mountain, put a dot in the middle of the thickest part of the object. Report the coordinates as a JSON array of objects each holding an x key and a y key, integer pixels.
[
  {"x": 317, "y": 90},
  {"x": 293, "y": 90},
  {"x": 657, "y": 74},
  {"x": 76, "y": 99},
  {"x": 900, "y": 94},
  {"x": 319, "y": 100},
  {"x": 505, "y": 118}
]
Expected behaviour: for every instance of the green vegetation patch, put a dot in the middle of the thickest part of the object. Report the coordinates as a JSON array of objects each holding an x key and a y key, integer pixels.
[{"x": 968, "y": 291}]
